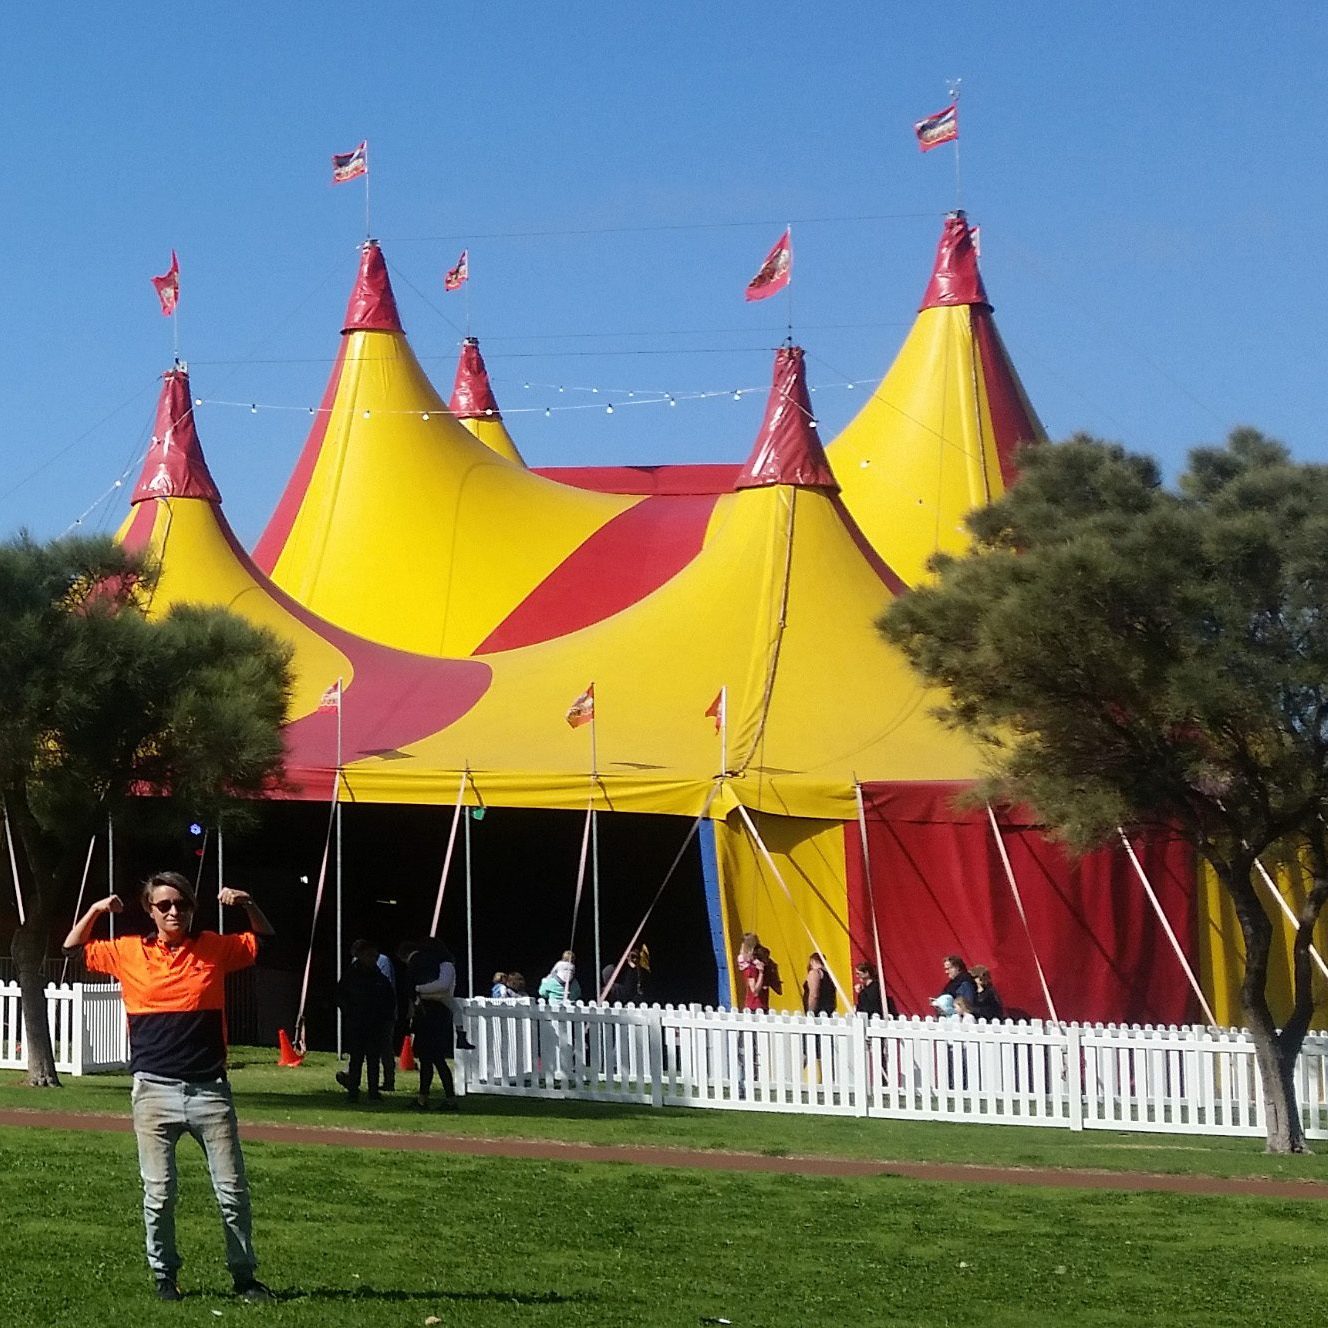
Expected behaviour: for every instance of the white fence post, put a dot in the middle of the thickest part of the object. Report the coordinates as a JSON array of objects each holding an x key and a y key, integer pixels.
[{"x": 1074, "y": 1079}]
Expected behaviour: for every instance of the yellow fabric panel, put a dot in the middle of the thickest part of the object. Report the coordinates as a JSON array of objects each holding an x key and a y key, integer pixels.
[
  {"x": 199, "y": 566},
  {"x": 493, "y": 434},
  {"x": 810, "y": 859},
  {"x": 841, "y": 702},
  {"x": 921, "y": 453},
  {"x": 413, "y": 533},
  {"x": 1222, "y": 946}
]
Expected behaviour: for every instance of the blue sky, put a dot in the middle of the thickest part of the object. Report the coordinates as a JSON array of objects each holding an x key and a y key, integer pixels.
[{"x": 1149, "y": 181}]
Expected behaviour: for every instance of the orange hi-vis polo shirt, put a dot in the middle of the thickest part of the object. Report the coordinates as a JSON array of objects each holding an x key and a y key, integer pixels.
[{"x": 175, "y": 997}]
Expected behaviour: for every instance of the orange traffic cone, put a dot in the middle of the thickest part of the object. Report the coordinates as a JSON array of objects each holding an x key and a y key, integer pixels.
[
  {"x": 406, "y": 1061},
  {"x": 288, "y": 1055}
]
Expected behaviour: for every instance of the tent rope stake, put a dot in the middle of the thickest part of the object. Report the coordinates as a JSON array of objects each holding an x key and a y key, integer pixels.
[
  {"x": 1166, "y": 927},
  {"x": 1023, "y": 917}
]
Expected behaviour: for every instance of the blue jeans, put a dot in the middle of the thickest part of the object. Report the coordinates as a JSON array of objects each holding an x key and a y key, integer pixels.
[{"x": 163, "y": 1111}]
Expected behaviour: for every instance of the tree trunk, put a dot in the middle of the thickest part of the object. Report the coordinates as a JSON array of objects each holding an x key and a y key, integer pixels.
[
  {"x": 28, "y": 950},
  {"x": 1277, "y": 1070}
]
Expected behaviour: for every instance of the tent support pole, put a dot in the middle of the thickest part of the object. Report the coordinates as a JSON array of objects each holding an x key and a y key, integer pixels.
[
  {"x": 470, "y": 916},
  {"x": 871, "y": 889},
  {"x": 78, "y": 903},
  {"x": 1289, "y": 912},
  {"x": 1166, "y": 927},
  {"x": 581, "y": 869},
  {"x": 594, "y": 888},
  {"x": 221, "y": 881},
  {"x": 110, "y": 866},
  {"x": 299, "y": 1038},
  {"x": 13, "y": 868}
]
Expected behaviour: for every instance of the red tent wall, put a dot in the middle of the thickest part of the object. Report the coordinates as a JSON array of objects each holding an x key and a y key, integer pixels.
[{"x": 940, "y": 888}]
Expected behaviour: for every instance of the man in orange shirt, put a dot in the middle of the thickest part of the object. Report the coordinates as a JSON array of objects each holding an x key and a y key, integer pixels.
[{"x": 174, "y": 988}]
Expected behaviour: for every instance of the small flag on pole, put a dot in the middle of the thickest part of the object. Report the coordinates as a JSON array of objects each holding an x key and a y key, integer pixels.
[
  {"x": 331, "y": 699},
  {"x": 939, "y": 128},
  {"x": 458, "y": 276},
  {"x": 582, "y": 710},
  {"x": 775, "y": 272},
  {"x": 717, "y": 708},
  {"x": 167, "y": 287},
  {"x": 349, "y": 165}
]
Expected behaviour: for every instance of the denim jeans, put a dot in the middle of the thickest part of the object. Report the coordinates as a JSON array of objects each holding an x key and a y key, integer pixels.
[{"x": 163, "y": 1111}]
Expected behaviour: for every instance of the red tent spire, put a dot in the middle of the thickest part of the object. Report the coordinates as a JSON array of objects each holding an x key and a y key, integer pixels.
[
  {"x": 174, "y": 466},
  {"x": 373, "y": 307},
  {"x": 472, "y": 397},
  {"x": 955, "y": 278},
  {"x": 788, "y": 449}
]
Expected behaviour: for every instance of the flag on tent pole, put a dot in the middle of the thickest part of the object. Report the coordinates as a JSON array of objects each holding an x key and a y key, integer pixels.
[
  {"x": 773, "y": 274},
  {"x": 331, "y": 699},
  {"x": 717, "y": 709},
  {"x": 940, "y": 128},
  {"x": 350, "y": 165},
  {"x": 167, "y": 287},
  {"x": 582, "y": 710},
  {"x": 458, "y": 276}
]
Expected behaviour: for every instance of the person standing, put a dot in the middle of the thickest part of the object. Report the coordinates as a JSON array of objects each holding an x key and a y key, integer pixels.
[
  {"x": 431, "y": 979},
  {"x": 988, "y": 1005},
  {"x": 389, "y": 1059},
  {"x": 368, "y": 1005},
  {"x": 174, "y": 988},
  {"x": 818, "y": 988}
]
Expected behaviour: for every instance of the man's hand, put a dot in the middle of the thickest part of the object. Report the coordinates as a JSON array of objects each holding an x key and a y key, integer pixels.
[{"x": 233, "y": 898}]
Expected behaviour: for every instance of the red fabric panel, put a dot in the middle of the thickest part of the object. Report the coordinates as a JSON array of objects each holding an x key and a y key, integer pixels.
[
  {"x": 788, "y": 449},
  {"x": 273, "y": 539},
  {"x": 622, "y": 562},
  {"x": 955, "y": 279},
  {"x": 174, "y": 466},
  {"x": 940, "y": 888},
  {"x": 709, "y": 478},
  {"x": 1012, "y": 417},
  {"x": 372, "y": 307}
]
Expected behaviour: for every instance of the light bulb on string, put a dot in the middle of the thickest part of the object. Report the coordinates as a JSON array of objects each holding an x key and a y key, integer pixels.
[
  {"x": 366, "y": 414},
  {"x": 198, "y": 401},
  {"x": 737, "y": 396},
  {"x": 425, "y": 416},
  {"x": 253, "y": 410},
  {"x": 608, "y": 410}
]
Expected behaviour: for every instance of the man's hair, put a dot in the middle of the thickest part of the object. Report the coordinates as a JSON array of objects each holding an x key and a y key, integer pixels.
[
  {"x": 957, "y": 961},
  {"x": 175, "y": 881},
  {"x": 364, "y": 950}
]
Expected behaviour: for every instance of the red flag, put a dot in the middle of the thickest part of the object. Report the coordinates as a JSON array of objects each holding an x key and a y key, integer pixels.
[
  {"x": 167, "y": 287},
  {"x": 349, "y": 165},
  {"x": 775, "y": 272},
  {"x": 582, "y": 710},
  {"x": 459, "y": 275},
  {"x": 716, "y": 711},
  {"x": 331, "y": 699},
  {"x": 939, "y": 128}
]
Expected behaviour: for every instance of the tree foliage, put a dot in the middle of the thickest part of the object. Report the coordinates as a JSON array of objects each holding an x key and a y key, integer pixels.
[
  {"x": 1130, "y": 654},
  {"x": 106, "y": 708}
]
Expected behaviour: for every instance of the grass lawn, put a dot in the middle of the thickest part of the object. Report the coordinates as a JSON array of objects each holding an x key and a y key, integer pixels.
[
  {"x": 384, "y": 1238},
  {"x": 308, "y": 1096}
]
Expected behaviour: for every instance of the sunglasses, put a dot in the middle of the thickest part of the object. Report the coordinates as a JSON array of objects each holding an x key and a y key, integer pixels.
[{"x": 172, "y": 906}]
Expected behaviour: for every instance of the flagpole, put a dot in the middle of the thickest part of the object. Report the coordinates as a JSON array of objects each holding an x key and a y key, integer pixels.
[
  {"x": 594, "y": 837},
  {"x": 470, "y": 908},
  {"x": 341, "y": 690},
  {"x": 221, "y": 882},
  {"x": 953, "y": 87},
  {"x": 788, "y": 290},
  {"x": 724, "y": 730},
  {"x": 368, "y": 234}
]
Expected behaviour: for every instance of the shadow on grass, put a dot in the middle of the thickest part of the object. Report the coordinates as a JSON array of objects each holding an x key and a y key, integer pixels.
[{"x": 341, "y": 1294}]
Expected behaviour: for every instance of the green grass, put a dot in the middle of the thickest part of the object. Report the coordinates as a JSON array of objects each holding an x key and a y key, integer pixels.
[
  {"x": 377, "y": 1237},
  {"x": 265, "y": 1092}
]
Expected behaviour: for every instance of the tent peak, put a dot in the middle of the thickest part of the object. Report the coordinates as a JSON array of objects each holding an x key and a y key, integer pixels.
[
  {"x": 174, "y": 466},
  {"x": 955, "y": 279},
  {"x": 372, "y": 307},
  {"x": 472, "y": 394},
  {"x": 788, "y": 449}
]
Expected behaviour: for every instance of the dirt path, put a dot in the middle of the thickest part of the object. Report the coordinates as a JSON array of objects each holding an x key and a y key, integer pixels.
[{"x": 546, "y": 1150}]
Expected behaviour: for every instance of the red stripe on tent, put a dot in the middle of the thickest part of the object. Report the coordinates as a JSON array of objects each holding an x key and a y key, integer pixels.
[
  {"x": 621, "y": 563},
  {"x": 667, "y": 480},
  {"x": 392, "y": 698},
  {"x": 893, "y": 582},
  {"x": 1012, "y": 417},
  {"x": 273, "y": 539},
  {"x": 940, "y": 888},
  {"x": 139, "y": 534}
]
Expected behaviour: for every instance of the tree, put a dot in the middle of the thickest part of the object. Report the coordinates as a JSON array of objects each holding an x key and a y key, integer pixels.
[
  {"x": 105, "y": 709},
  {"x": 1129, "y": 655}
]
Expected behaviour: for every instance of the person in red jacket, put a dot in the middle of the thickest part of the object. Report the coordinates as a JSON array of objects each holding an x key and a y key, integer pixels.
[{"x": 174, "y": 987}]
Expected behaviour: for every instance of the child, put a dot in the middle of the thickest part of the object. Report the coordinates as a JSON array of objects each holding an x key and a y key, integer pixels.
[{"x": 368, "y": 1008}]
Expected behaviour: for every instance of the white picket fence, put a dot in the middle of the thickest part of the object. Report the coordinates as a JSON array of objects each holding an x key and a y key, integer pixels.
[
  {"x": 1191, "y": 1080},
  {"x": 87, "y": 1023}
]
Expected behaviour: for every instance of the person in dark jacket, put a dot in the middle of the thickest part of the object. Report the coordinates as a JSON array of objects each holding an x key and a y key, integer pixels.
[
  {"x": 988, "y": 1004},
  {"x": 818, "y": 988},
  {"x": 867, "y": 992},
  {"x": 368, "y": 1010},
  {"x": 958, "y": 983}
]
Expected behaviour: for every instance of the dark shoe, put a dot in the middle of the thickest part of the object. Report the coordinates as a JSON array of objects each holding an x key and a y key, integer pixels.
[
  {"x": 167, "y": 1290},
  {"x": 375, "y": 1097},
  {"x": 390, "y": 1087},
  {"x": 417, "y": 1105},
  {"x": 253, "y": 1290},
  {"x": 463, "y": 1042},
  {"x": 343, "y": 1078},
  {"x": 449, "y": 1104}
]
